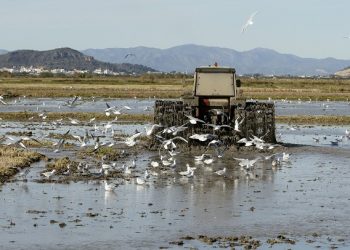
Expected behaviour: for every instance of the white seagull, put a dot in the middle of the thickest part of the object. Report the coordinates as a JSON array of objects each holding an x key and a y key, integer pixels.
[
  {"x": 237, "y": 124},
  {"x": 221, "y": 172},
  {"x": 194, "y": 120},
  {"x": 249, "y": 22},
  {"x": 110, "y": 187},
  {"x": 246, "y": 163},
  {"x": 49, "y": 173},
  {"x": 131, "y": 141},
  {"x": 150, "y": 131}
]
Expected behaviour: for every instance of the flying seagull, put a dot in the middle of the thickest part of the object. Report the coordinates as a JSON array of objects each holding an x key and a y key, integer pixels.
[{"x": 249, "y": 22}]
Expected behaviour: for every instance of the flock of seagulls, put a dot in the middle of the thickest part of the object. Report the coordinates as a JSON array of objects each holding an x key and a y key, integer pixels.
[{"x": 170, "y": 146}]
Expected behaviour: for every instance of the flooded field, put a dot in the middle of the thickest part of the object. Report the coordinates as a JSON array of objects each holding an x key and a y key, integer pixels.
[
  {"x": 145, "y": 106},
  {"x": 298, "y": 203}
]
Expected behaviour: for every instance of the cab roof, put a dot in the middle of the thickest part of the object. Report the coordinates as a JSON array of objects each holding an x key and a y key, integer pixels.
[{"x": 208, "y": 69}]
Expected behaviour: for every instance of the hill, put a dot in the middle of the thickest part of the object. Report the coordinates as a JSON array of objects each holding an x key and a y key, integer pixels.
[
  {"x": 185, "y": 58},
  {"x": 64, "y": 58},
  {"x": 343, "y": 73}
]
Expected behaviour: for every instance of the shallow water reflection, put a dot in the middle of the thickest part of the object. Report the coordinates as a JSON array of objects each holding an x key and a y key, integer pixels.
[{"x": 300, "y": 198}]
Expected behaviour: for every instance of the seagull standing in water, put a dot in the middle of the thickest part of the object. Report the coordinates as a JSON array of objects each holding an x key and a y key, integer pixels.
[
  {"x": 249, "y": 22},
  {"x": 221, "y": 172},
  {"x": 49, "y": 173},
  {"x": 110, "y": 187},
  {"x": 285, "y": 156}
]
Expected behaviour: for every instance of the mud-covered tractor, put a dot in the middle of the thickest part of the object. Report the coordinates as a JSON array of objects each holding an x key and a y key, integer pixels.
[{"x": 217, "y": 100}]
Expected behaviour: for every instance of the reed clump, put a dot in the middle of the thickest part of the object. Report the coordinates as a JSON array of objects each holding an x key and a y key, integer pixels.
[{"x": 13, "y": 159}]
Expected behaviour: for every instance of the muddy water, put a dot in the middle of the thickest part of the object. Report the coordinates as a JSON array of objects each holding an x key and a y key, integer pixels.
[
  {"x": 305, "y": 196},
  {"x": 312, "y": 108},
  {"x": 145, "y": 106},
  {"x": 84, "y": 105},
  {"x": 322, "y": 136}
]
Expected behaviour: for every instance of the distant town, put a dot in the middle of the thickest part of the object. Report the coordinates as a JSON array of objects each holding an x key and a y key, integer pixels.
[{"x": 36, "y": 71}]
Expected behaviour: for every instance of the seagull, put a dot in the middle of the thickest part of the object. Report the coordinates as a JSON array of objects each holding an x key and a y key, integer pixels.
[
  {"x": 208, "y": 161},
  {"x": 43, "y": 115},
  {"x": 110, "y": 187},
  {"x": 237, "y": 124},
  {"x": 194, "y": 120},
  {"x": 168, "y": 163},
  {"x": 72, "y": 103},
  {"x": 187, "y": 172},
  {"x": 285, "y": 156},
  {"x": 317, "y": 140},
  {"x": 147, "y": 108},
  {"x": 174, "y": 130},
  {"x": 97, "y": 144},
  {"x": 49, "y": 173},
  {"x": 131, "y": 141},
  {"x": 219, "y": 112},
  {"x": 202, "y": 137},
  {"x": 217, "y": 127},
  {"x": 276, "y": 162},
  {"x": 154, "y": 164},
  {"x": 141, "y": 181},
  {"x": 20, "y": 141},
  {"x": 202, "y": 157},
  {"x": 170, "y": 142},
  {"x": 23, "y": 174},
  {"x": 215, "y": 143},
  {"x": 127, "y": 170},
  {"x": 256, "y": 139},
  {"x": 2, "y": 101},
  {"x": 114, "y": 109},
  {"x": 249, "y": 22},
  {"x": 73, "y": 121},
  {"x": 150, "y": 131},
  {"x": 82, "y": 140},
  {"x": 221, "y": 172},
  {"x": 59, "y": 145},
  {"x": 129, "y": 55},
  {"x": 246, "y": 142},
  {"x": 246, "y": 163},
  {"x": 67, "y": 172}
]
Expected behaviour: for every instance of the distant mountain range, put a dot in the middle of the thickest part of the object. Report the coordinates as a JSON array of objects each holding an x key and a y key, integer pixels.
[
  {"x": 2, "y": 51},
  {"x": 65, "y": 58},
  {"x": 186, "y": 58}
]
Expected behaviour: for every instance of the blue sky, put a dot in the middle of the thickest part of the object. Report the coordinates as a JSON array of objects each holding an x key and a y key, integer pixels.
[{"x": 307, "y": 28}]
